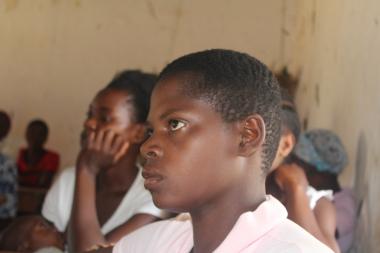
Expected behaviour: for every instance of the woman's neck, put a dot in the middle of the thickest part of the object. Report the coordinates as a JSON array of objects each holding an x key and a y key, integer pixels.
[
  {"x": 120, "y": 176},
  {"x": 233, "y": 205}
]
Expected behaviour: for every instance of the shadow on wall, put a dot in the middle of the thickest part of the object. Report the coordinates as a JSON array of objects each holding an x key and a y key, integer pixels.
[{"x": 363, "y": 230}]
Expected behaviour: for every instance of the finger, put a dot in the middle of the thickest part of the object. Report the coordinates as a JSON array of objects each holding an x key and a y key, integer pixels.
[
  {"x": 122, "y": 150},
  {"x": 117, "y": 146},
  {"x": 89, "y": 141},
  {"x": 99, "y": 139},
  {"x": 116, "y": 143},
  {"x": 108, "y": 140}
]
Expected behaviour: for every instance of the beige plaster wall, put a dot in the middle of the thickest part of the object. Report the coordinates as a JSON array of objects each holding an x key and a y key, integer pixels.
[
  {"x": 334, "y": 46},
  {"x": 55, "y": 54}
]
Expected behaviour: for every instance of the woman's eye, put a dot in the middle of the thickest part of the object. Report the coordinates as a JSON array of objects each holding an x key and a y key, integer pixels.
[
  {"x": 175, "y": 125},
  {"x": 105, "y": 119}
]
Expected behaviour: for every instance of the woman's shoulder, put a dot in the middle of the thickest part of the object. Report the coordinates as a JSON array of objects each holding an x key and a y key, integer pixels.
[{"x": 166, "y": 234}]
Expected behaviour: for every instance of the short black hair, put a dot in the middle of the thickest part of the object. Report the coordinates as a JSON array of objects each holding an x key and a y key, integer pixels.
[
  {"x": 236, "y": 85},
  {"x": 42, "y": 127},
  {"x": 139, "y": 85},
  {"x": 289, "y": 116},
  {"x": 5, "y": 124}
]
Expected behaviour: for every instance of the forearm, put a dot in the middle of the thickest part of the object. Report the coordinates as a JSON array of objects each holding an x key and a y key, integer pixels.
[
  {"x": 297, "y": 205},
  {"x": 101, "y": 250},
  {"x": 131, "y": 225},
  {"x": 84, "y": 230}
]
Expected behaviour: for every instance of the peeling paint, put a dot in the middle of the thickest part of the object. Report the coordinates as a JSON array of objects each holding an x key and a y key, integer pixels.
[
  {"x": 313, "y": 17},
  {"x": 78, "y": 3},
  {"x": 362, "y": 192},
  {"x": 55, "y": 2},
  {"x": 10, "y": 5},
  {"x": 151, "y": 9},
  {"x": 174, "y": 33},
  {"x": 283, "y": 31},
  {"x": 361, "y": 158},
  {"x": 305, "y": 123},
  {"x": 317, "y": 96}
]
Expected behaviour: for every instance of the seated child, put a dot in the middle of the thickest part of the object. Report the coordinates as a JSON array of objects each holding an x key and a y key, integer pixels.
[
  {"x": 37, "y": 165},
  {"x": 29, "y": 234},
  {"x": 322, "y": 155},
  {"x": 309, "y": 208},
  {"x": 214, "y": 129},
  {"x": 8, "y": 177}
]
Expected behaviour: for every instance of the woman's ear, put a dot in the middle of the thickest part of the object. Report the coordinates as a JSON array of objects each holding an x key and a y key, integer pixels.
[
  {"x": 252, "y": 134},
  {"x": 285, "y": 147},
  {"x": 287, "y": 143}
]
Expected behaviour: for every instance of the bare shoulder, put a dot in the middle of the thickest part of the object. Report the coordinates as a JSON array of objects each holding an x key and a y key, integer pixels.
[
  {"x": 324, "y": 208},
  {"x": 325, "y": 215}
]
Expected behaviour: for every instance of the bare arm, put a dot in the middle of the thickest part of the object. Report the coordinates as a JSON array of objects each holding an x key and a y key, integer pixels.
[
  {"x": 132, "y": 224},
  {"x": 100, "y": 250},
  {"x": 86, "y": 232},
  {"x": 325, "y": 214},
  {"x": 322, "y": 227},
  {"x": 102, "y": 149},
  {"x": 293, "y": 182},
  {"x": 84, "y": 228}
]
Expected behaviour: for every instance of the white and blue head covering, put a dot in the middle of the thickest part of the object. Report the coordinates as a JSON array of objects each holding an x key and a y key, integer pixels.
[{"x": 323, "y": 150}]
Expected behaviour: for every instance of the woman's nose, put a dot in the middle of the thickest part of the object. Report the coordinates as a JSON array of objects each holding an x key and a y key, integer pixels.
[
  {"x": 90, "y": 124},
  {"x": 150, "y": 149}
]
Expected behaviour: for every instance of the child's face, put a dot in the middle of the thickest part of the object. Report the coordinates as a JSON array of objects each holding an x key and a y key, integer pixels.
[
  {"x": 35, "y": 136},
  {"x": 110, "y": 111},
  {"x": 43, "y": 234},
  {"x": 191, "y": 153}
]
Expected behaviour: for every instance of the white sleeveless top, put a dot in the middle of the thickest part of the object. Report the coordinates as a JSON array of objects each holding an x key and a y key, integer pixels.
[
  {"x": 59, "y": 200},
  {"x": 315, "y": 195}
]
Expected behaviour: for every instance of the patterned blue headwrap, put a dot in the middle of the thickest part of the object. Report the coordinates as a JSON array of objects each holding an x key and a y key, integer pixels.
[{"x": 323, "y": 150}]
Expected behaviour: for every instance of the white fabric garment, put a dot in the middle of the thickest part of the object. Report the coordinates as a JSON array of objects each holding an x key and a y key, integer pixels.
[
  {"x": 49, "y": 250},
  {"x": 59, "y": 200},
  {"x": 265, "y": 230},
  {"x": 315, "y": 195}
]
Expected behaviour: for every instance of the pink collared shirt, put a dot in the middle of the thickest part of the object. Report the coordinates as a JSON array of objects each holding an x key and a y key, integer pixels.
[{"x": 264, "y": 230}]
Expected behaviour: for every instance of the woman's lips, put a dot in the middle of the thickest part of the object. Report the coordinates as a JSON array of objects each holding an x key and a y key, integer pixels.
[{"x": 152, "y": 179}]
